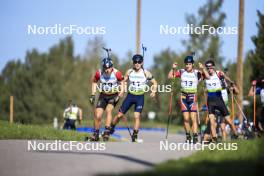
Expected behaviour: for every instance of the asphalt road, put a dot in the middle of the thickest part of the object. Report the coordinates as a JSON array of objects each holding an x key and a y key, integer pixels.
[{"x": 118, "y": 157}]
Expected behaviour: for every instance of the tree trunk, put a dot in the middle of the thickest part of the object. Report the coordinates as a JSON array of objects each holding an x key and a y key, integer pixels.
[
  {"x": 138, "y": 23},
  {"x": 240, "y": 56}
]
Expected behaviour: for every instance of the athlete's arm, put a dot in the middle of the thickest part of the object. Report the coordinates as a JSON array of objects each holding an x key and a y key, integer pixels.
[
  {"x": 251, "y": 90},
  {"x": 95, "y": 79},
  {"x": 173, "y": 73},
  {"x": 122, "y": 89},
  {"x": 234, "y": 88},
  {"x": 80, "y": 115},
  {"x": 126, "y": 80},
  {"x": 154, "y": 87},
  {"x": 204, "y": 71},
  {"x": 154, "y": 83},
  {"x": 120, "y": 78},
  {"x": 94, "y": 85},
  {"x": 227, "y": 78}
]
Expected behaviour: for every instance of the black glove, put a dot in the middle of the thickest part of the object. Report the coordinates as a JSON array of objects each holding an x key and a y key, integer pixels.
[{"x": 92, "y": 99}]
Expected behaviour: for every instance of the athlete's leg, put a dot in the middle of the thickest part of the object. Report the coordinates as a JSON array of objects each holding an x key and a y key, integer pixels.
[
  {"x": 186, "y": 121},
  {"x": 127, "y": 103},
  {"x": 224, "y": 111},
  {"x": 186, "y": 117},
  {"x": 223, "y": 130},
  {"x": 194, "y": 126},
  {"x": 194, "y": 122},
  {"x": 72, "y": 124},
  {"x": 136, "y": 126},
  {"x": 100, "y": 107},
  {"x": 260, "y": 125},
  {"x": 213, "y": 125},
  {"x": 98, "y": 117},
  {"x": 232, "y": 126},
  {"x": 97, "y": 123},
  {"x": 186, "y": 124},
  {"x": 117, "y": 118},
  {"x": 137, "y": 120},
  {"x": 66, "y": 124},
  {"x": 192, "y": 107},
  {"x": 139, "y": 104},
  {"x": 206, "y": 138},
  {"x": 107, "y": 131},
  {"x": 260, "y": 121},
  {"x": 108, "y": 110},
  {"x": 207, "y": 132}
]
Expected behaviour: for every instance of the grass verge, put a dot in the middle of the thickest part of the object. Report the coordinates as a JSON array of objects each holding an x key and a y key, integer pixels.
[
  {"x": 144, "y": 124},
  {"x": 19, "y": 131},
  {"x": 246, "y": 160}
]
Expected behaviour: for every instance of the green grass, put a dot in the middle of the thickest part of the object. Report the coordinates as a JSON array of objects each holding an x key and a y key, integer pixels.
[
  {"x": 247, "y": 160},
  {"x": 19, "y": 131},
  {"x": 144, "y": 124},
  {"x": 46, "y": 132}
]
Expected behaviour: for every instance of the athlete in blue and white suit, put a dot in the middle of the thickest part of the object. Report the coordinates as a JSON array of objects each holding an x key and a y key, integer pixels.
[{"x": 137, "y": 79}]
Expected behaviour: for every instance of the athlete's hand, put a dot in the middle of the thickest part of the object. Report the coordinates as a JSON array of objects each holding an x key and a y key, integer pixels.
[
  {"x": 201, "y": 66},
  {"x": 92, "y": 99},
  {"x": 254, "y": 83},
  {"x": 152, "y": 94},
  {"x": 174, "y": 65}
]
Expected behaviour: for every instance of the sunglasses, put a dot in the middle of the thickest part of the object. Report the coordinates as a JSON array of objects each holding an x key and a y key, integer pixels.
[
  {"x": 137, "y": 62},
  {"x": 208, "y": 68}
]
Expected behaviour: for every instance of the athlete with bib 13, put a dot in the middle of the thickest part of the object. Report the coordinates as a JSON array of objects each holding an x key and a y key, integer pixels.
[{"x": 190, "y": 78}]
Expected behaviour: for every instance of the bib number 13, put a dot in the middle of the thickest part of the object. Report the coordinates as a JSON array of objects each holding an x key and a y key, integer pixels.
[{"x": 188, "y": 83}]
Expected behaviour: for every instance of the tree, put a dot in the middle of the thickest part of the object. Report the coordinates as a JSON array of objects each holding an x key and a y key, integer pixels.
[
  {"x": 239, "y": 76},
  {"x": 257, "y": 56},
  {"x": 206, "y": 45},
  {"x": 162, "y": 66}
]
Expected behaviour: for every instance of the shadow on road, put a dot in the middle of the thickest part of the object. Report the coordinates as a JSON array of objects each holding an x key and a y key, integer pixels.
[{"x": 127, "y": 158}]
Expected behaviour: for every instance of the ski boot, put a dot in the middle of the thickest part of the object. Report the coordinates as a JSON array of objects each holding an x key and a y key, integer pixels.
[
  {"x": 214, "y": 140},
  {"x": 112, "y": 129},
  {"x": 234, "y": 137},
  {"x": 134, "y": 136},
  {"x": 195, "y": 138},
  {"x": 106, "y": 134},
  {"x": 188, "y": 138},
  {"x": 94, "y": 137}
]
